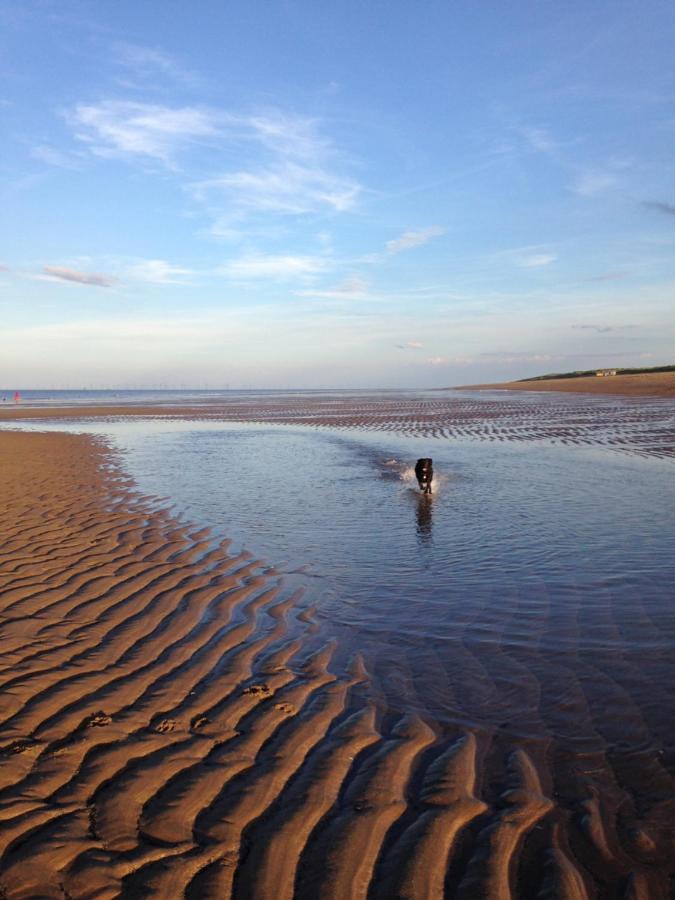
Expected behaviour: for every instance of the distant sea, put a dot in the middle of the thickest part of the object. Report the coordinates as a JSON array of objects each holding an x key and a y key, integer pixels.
[{"x": 163, "y": 397}]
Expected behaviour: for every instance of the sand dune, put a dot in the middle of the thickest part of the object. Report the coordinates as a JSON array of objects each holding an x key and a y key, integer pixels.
[
  {"x": 173, "y": 723},
  {"x": 646, "y": 384}
]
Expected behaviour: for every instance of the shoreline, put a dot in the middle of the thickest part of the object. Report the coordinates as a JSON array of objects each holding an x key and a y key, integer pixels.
[
  {"x": 646, "y": 385},
  {"x": 172, "y": 723},
  {"x": 518, "y": 415},
  {"x": 114, "y": 615}
]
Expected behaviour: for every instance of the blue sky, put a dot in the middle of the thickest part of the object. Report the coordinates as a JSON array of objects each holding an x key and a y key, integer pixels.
[{"x": 303, "y": 194}]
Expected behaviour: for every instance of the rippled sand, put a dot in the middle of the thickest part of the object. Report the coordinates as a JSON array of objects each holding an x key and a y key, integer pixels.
[
  {"x": 645, "y": 425},
  {"x": 173, "y": 723}
]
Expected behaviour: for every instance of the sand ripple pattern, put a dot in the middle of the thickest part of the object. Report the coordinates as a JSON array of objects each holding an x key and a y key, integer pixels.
[
  {"x": 174, "y": 725},
  {"x": 645, "y": 426}
]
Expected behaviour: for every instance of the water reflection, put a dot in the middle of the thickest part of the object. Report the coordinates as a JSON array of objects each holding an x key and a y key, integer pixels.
[
  {"x": 531, "y": 580},
  {"x": 424, "y": 515}
]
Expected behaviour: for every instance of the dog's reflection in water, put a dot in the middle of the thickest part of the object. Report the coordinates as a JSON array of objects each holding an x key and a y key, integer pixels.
[{"x": 424, "y": 514}]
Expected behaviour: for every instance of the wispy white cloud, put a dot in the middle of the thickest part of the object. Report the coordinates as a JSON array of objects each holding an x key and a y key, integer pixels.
[
  {"x": 116, "y": 128},
  {"x": 438, "y": 360},
  {"x": 410, "y": 239},
  {"x": 63, "y": 273},
  {"x": 251, "y": 268},
  {"x": 297, "y": 174},
  {"x": 292, "y": 167},
  {"x": 293, "y": 136},
  {"x": 158, "y": 271},
  {"x": 536, "y": 260},
  {"x": 53, "y": 157},
  {"x": 120, "y": 271},
  {"x": 538, "y": 139},
  {"x": 607, "y": 176},
  {"x": 287, "y": 187},
  {"x": 528, "y": 257},
  {"x": 147, "y": 64},
  {"x": 137, "y": 56},
  {"x": 593, "y": 182},
  {"x": 350, "y": 289}
]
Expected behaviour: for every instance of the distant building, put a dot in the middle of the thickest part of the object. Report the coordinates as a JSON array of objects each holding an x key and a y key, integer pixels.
[{"x": 602, "y": 373}]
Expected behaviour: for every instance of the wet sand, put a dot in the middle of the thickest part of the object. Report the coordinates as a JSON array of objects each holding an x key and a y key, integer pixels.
[
  {"x": 644, "y": 425},
  {"x": 648, "y": 384},
  {"x": 154, "y": 702},
  {"x": 173, "y": 724}
]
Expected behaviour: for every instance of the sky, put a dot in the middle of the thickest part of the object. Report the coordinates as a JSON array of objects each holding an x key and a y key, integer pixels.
[{"x": 292, "y": 194}]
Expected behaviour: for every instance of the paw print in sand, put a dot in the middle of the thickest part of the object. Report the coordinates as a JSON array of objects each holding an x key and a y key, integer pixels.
[
  {"x": 199, "y": 722},
  {"x": 262, "y": 689},
  {"x": 165, "y": 726},
  {"x": 98, "y": 719}
]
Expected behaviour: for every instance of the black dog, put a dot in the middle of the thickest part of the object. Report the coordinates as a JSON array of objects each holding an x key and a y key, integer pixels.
[{"x": 424, "y": 472}]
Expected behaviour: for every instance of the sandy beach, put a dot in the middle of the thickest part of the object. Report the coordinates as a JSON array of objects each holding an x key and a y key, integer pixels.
[
  {"x": 658, "y": 384},
  {"x": 146, "y": 669},
  {"x": 286, "y": 611},
  {"x": 173, "y": 725}
]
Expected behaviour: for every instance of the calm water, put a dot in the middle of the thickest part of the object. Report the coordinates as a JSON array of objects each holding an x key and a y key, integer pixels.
[
  {"x": 532, "y": 592},
  {"x": 147, "y": 397}
]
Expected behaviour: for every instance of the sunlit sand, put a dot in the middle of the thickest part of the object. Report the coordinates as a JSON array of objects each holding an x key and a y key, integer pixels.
[{"x": 178, "y": 720}]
